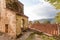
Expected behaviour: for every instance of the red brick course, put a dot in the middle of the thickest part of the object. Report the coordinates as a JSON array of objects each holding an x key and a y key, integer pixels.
[{"x": 51, "y": 29}]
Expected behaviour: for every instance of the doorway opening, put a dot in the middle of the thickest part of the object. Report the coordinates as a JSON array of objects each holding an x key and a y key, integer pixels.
[
  {"x": 6, "y": 28},
  {"x": 22, "y": 24}
]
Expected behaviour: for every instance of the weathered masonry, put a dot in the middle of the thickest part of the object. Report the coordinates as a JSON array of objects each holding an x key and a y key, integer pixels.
[
  {"x": 49, "y": 29},
  {"x": 12, "y": 18}
]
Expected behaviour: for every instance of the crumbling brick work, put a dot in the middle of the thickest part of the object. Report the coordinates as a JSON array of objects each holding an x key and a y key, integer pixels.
[{"x": 52, "y": 29}]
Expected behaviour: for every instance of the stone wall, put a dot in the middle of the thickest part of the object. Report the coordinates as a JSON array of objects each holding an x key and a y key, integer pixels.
[
  {"x": 20, "y": 25},
  {"x": 11, "y": 21},
  {"x": 18, "y": 28},
  {"x": 7, "y": 17},
  {"x": 2, "y": 15}
]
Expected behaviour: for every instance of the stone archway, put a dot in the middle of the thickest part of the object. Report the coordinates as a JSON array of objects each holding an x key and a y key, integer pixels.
[{"x": 22, "y": 24}]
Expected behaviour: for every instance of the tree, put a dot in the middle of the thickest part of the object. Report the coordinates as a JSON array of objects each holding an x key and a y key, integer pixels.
[
  {"x": 37, "y": 22},
  {"x": 55, "y": 3},
  {"x": 57, "y": 18},
  {"x": 46, "y": 22}
]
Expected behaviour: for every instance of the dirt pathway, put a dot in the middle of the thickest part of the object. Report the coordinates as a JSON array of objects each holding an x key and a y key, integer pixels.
[{"x": 25, "y": 35}]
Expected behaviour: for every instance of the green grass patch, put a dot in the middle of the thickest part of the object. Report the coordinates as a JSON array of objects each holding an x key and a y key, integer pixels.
[
  {"x": 41, "y": 36},
  {"x": 45, "y": 37},
  {"x": 30, "y": 36}
]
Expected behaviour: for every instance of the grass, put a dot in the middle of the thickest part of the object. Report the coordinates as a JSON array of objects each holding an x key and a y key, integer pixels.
[
  {"x": 30, "y": 37},
  {"x": 42, "y": 36}
]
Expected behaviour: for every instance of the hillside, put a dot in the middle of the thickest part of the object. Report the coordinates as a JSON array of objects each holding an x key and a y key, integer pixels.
[{"x": 43, "y": 20}]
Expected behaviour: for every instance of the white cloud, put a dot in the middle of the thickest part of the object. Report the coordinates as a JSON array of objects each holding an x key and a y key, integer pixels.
[{"x": 39, "y": 11}]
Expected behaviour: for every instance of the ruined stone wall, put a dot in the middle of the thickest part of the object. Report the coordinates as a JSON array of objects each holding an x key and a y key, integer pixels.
[
  {"x": 19, "y": 23},
  {"x": 25, "y": 19},
  {"x": 18, "y": 28},
  {"x": 8, "y": 16},
  {"x": 11, "y": 21},
  {"x": 2, "y": 15},
  {"x": 52, "y": 29}
]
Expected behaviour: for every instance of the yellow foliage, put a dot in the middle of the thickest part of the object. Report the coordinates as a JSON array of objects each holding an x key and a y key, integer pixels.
[
  {"x": 58, "y": 18},
  {"x": 55, "y": 3}
]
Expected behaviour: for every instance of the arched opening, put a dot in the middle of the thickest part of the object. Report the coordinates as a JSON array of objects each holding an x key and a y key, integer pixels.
[{"x": 22, "y": 24}]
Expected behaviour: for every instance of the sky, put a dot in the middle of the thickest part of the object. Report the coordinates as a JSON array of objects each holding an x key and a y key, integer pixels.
[{"x": 38, "y": 9}]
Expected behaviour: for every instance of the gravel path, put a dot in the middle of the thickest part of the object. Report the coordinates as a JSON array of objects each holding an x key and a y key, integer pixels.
[{"x": 26, "y": 35}]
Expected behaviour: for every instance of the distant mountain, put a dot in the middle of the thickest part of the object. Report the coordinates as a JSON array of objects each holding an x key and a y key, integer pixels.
[
  {"x": 52, "y": 20},
  {"x": 46, "y": 19}
]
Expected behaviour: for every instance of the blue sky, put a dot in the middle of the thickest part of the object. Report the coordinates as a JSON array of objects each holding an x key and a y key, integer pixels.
[{"x": 38, "y": 9}]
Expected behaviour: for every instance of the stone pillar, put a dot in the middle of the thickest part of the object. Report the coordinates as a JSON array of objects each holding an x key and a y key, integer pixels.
[
  {"x": 3, "y": 15},
  {"x": 3, "y": 8}
]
